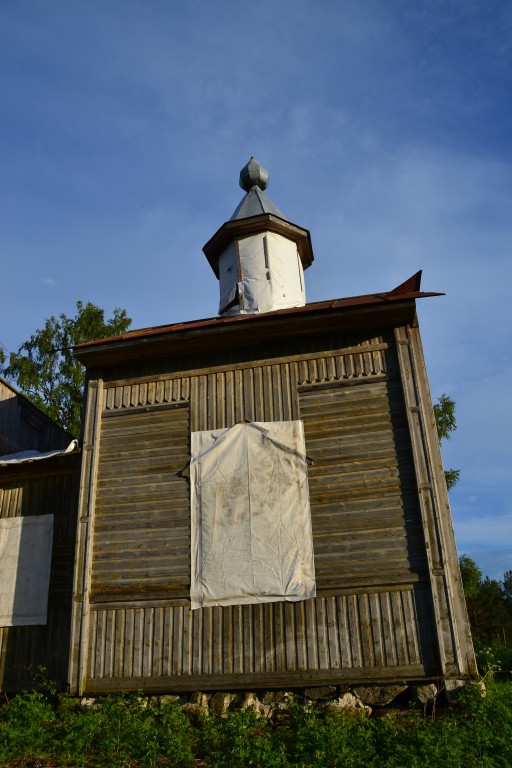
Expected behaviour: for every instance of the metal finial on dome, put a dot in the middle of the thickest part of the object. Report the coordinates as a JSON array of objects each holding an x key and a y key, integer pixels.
[{"x": 253, "y": 175}]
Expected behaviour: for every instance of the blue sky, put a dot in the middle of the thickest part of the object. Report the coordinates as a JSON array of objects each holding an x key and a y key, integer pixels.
[{"x": 386, "y": 128}]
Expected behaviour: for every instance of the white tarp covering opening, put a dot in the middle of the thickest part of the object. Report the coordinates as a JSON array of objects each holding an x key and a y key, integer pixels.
[
  {"x": 266, "y": 274},
  {"x": 25, "y": 559},
  {"x": 251, "y": 539}
]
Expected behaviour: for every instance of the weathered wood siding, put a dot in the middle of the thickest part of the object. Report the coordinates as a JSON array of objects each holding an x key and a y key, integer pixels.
[
  {"x": 50, "y": 487},
  {"x": 25, "y": 427},
  {"x": 373, "y": 617},
  {"x": 363, "y": 492},
  {"x": 142, "y": 523}
]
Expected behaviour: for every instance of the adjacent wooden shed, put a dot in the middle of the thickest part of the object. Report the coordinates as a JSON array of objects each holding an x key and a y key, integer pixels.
[
  {"x": 34, "y": 490},
  {"x": 25, "y": 427},
  {"x": 389, "y": 603}
]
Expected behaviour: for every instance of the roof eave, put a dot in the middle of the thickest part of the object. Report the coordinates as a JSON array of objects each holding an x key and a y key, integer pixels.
[
  {"x": 265, "y": 222},
  {"x": 360, "y": 312}
]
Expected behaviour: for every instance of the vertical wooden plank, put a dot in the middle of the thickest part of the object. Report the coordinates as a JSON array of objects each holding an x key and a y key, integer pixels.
[
  {"x": 290, "y": 636},
  {"x": 110, "y": 631},
  {"x": 390, "y": 654},
  {"x": 151, "y": 392},
  {"x": 158, "y": 632},
  {"x": 286, "y": 393},
  {"x": 333, "y": 633},
  {"x": 118, "y": 401},
  {"x": 376, "y": 629},
  {"x": 143, "y": 393},
  {"x": 197, "y": 641},
  {"x": 321, "y": 630},
  {"x": 250, "y": 408},
  {"x": 119, "y": 643},
  {"x": 311, "y": 634},
  {"x": 129, "y": 641},
  {"x": 269, "y": 637},
  {"x": 313, "y": 370},
  {"x": 365, "y": 630},
  {"x": 229, "y": 417},
  {"x": 411, "y": 627},
  {"x": 300, "y": 633},
  {"x": 99, "y": 666},
  {"x": 449, "y": 625},
  {"x": 303, "y": 372},
  {"x": 268, "y": 411},
  {"x": 91, "y": 656},
  {"x": 239, "y": 396},
  {"x": 211, "y": 415},
  {"x": 207, "y": 641},
  {"x": 195, "y": 422},
  {"x": 344, "y": 631},
  {"x": 456, "y": 628},
  {"x": 110, "y": 398},
  {"x": 138, "y": 641},
  {"x": 238, "y": 639},
  {"x": 83, "y": 564},
  {"x": 167, "y": 661},
  {"x": 399, "y": 628},
  {"x": 227, "y": 639},
  {"x": 294, "y": 398},
  {"x": 148, "y": 641},
  {"x": 277, "y": 404},
  {"x": 177, "y": 642},
  {"x": 356, "y": 650},
  {"x": 248, "y": 631},
  {"x": 220, "y": 401},
  {"x": 218, "y": 649},
  {"x": 330, "y": 368},
  {"x": 341, "y": 371},
  {"x": 280, "y": 642}
]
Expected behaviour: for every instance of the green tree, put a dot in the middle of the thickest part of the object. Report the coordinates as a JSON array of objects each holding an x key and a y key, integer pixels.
[
  {"x": 506, "y": 586},
  {"x": 444, "y": 412},
  {"x": 44, "y": 368},
  {"x": 471, "y": 576}
]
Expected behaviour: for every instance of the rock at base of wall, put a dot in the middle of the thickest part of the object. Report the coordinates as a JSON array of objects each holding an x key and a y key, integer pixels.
[
  {"x": 379, "y": 695},
  {"x": 423, "y": 694}
]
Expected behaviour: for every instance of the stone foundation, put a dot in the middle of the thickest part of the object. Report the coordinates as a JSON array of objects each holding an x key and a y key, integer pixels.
[{"x": 363, "y": 700}]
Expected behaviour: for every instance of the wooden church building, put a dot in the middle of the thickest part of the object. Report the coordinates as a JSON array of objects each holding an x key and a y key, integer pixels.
[
  {"x": 262, "y": 501},
  {"x": 262, "y": 493}
]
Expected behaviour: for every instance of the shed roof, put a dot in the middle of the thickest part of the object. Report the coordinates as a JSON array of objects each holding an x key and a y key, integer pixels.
[{"x": 391, "y": 308}]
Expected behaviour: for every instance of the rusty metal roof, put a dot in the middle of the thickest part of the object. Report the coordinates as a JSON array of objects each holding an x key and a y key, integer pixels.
[{"x": 404, "y": 295}]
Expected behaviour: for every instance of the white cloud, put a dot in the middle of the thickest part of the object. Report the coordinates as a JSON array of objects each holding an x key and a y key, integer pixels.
[{"x": 49, "y": 282}]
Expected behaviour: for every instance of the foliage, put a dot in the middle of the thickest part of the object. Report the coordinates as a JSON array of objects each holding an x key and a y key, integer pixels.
[
  {"x": 45, "y": 370},
  {"x": 471, "y": 576},
  {"x": 444, "y": 412},
  {"x": 489, "y": 606},
  {"x": 37, "y": 728}
]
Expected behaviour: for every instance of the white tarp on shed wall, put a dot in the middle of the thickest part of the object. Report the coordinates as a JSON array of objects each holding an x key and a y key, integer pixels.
[
  {"x": 251, "y": 522},
  {"x": 25, "y": 559}
]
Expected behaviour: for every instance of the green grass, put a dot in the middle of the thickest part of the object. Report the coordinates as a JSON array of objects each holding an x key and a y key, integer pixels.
[{"x": 42, "y": 730}]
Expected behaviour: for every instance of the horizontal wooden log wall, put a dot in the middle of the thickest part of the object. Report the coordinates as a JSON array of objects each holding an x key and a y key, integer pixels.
[
  {"x": 23, "y": 649},
  {"x": 135, "y": 623}
]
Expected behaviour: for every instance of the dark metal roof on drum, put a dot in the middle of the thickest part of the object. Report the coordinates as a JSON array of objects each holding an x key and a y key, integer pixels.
[{"x": 254, "y": 179}]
